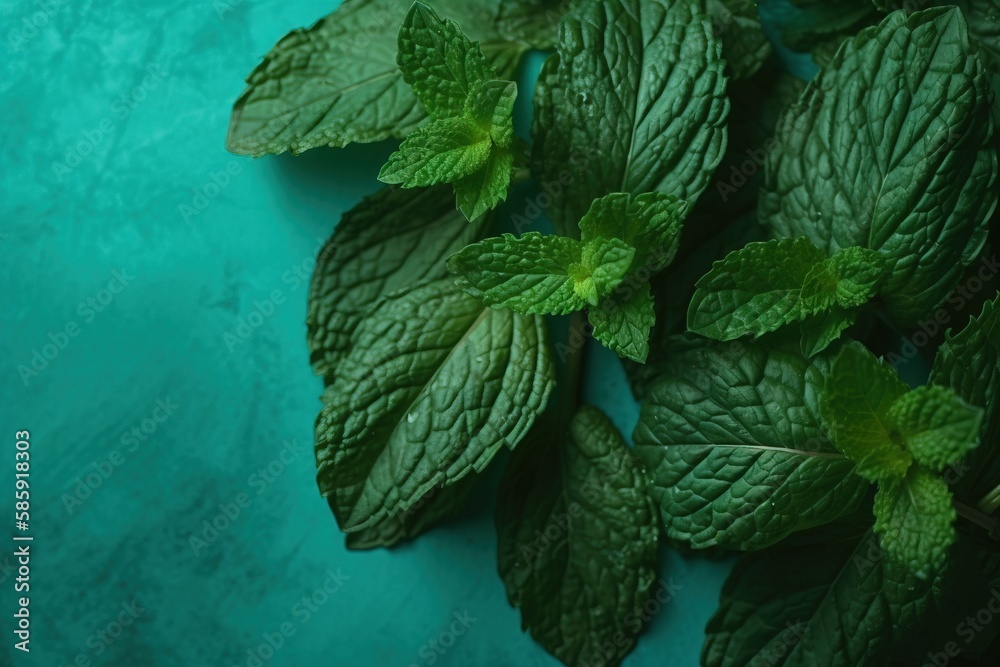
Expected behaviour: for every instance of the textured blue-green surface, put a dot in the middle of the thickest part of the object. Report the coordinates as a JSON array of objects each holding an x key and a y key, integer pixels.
[{"x": 125, "y": 221}]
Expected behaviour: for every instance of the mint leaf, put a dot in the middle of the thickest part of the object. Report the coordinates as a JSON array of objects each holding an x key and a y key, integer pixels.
[
  {"x": 936, "y": 425},
  {"x": 860, "y": 391},
  {"x": 649, "y": 104},
  {"x": 439, "y": 62},
  {"x": 649, "y": 222},
  {"x": 969, "y": 363},
  {"x": 432, "y": 387},
  {"x": 818, "y": 331},
  {"x": 732, "y": 438},
  {"x": 481, "y": 191},
  {"x": 753, "y": 290},
  {"x": 338, "y": 83},
  {"x": 914, "y": 518},
  {"x": 603, "y": 264},
  {"x": 850, "y": 278},
  {"x": 816, "y": 605},
  {"x": 912, "y": 180},
  {"x": 441, "y": 152},
  {"x": 745, "y": 47},
  {"x": 623, "y": 319},
  {"x": 440, "y": 505},
  {"x": 528, "y": 273},
  {"x": 533, "y": 21},
  {"x": 361, "y": 262},
  {"x": 578, "y": 541},
  {"x": 491, "y": 105}
]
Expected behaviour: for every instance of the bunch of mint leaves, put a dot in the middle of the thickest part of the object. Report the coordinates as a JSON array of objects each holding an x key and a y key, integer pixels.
[{"x": 799, "y": 277}]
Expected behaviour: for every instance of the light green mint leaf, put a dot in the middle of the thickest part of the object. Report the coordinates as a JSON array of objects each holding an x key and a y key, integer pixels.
[
  {"x": 491, "y": 105},
  {"x": 860, "y": 391},
  {"x": 433, "y": 386},
  {"x": 818, "y": 331},
  {"x": 338, "y": 82},
  {"x": 813, "y": 605},
  {"x": 969, "y": 363},
  {"x": 438, "y": 506},
  {"x": 481, "y": 191},
  {"x": 745, "y": 47},
  {"x": 914, "y": 179},
  {"x": 361, "y": 262},
  {"x": 622, "y": 320},
  {"x": 649, "y": 222},
  {"x": 850, "y": 278},
  {"x": 936, "y": 426},
  {"x": 528, "y": 273},
  {"x": 603, "y": 264},
  {"x": 581, "y": 588},
  {"x": 731, "y": 435},
  {"x": 914, "y": 517},
  {"x": 443, "y": 151},
  {"x": 648, "y": 105},
  {"x": 439, "y": 62},
  {"x": 753, "y": 290}
]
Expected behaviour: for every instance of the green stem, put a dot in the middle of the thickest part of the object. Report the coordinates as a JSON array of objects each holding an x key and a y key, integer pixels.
[
  {"x": 989, "y": 503},
  {"x": 978, "y": 518},
  {"x": 573, "y": 373}
]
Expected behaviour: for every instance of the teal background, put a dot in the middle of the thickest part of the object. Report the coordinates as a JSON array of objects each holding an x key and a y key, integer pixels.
[{"x": 144, "y": 88}]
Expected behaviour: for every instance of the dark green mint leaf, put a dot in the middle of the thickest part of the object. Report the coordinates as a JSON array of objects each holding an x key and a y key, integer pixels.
[
  {"x": 969, "y": 363},
  {"x": 362, "y": 262},
  {"x": 338, "y": 82},
  {"x": 434, "y": 384},
  {"x": 744, "y": 44},
  {"x": 648, "y": 104},
  {"x": 440, "y": 505},
  {"x": 754, "y": 290},
  {"x": 817, "y": 605},
  {"x": 732, "y": 437},
  {"x": 914, "y": 179},
  {"x": 578, "y": 541}
]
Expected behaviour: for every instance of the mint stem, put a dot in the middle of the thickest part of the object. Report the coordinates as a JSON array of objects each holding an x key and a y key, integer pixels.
[
  {"x": 978, "y": 518},
  {"x": 989, "y": 503}
]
